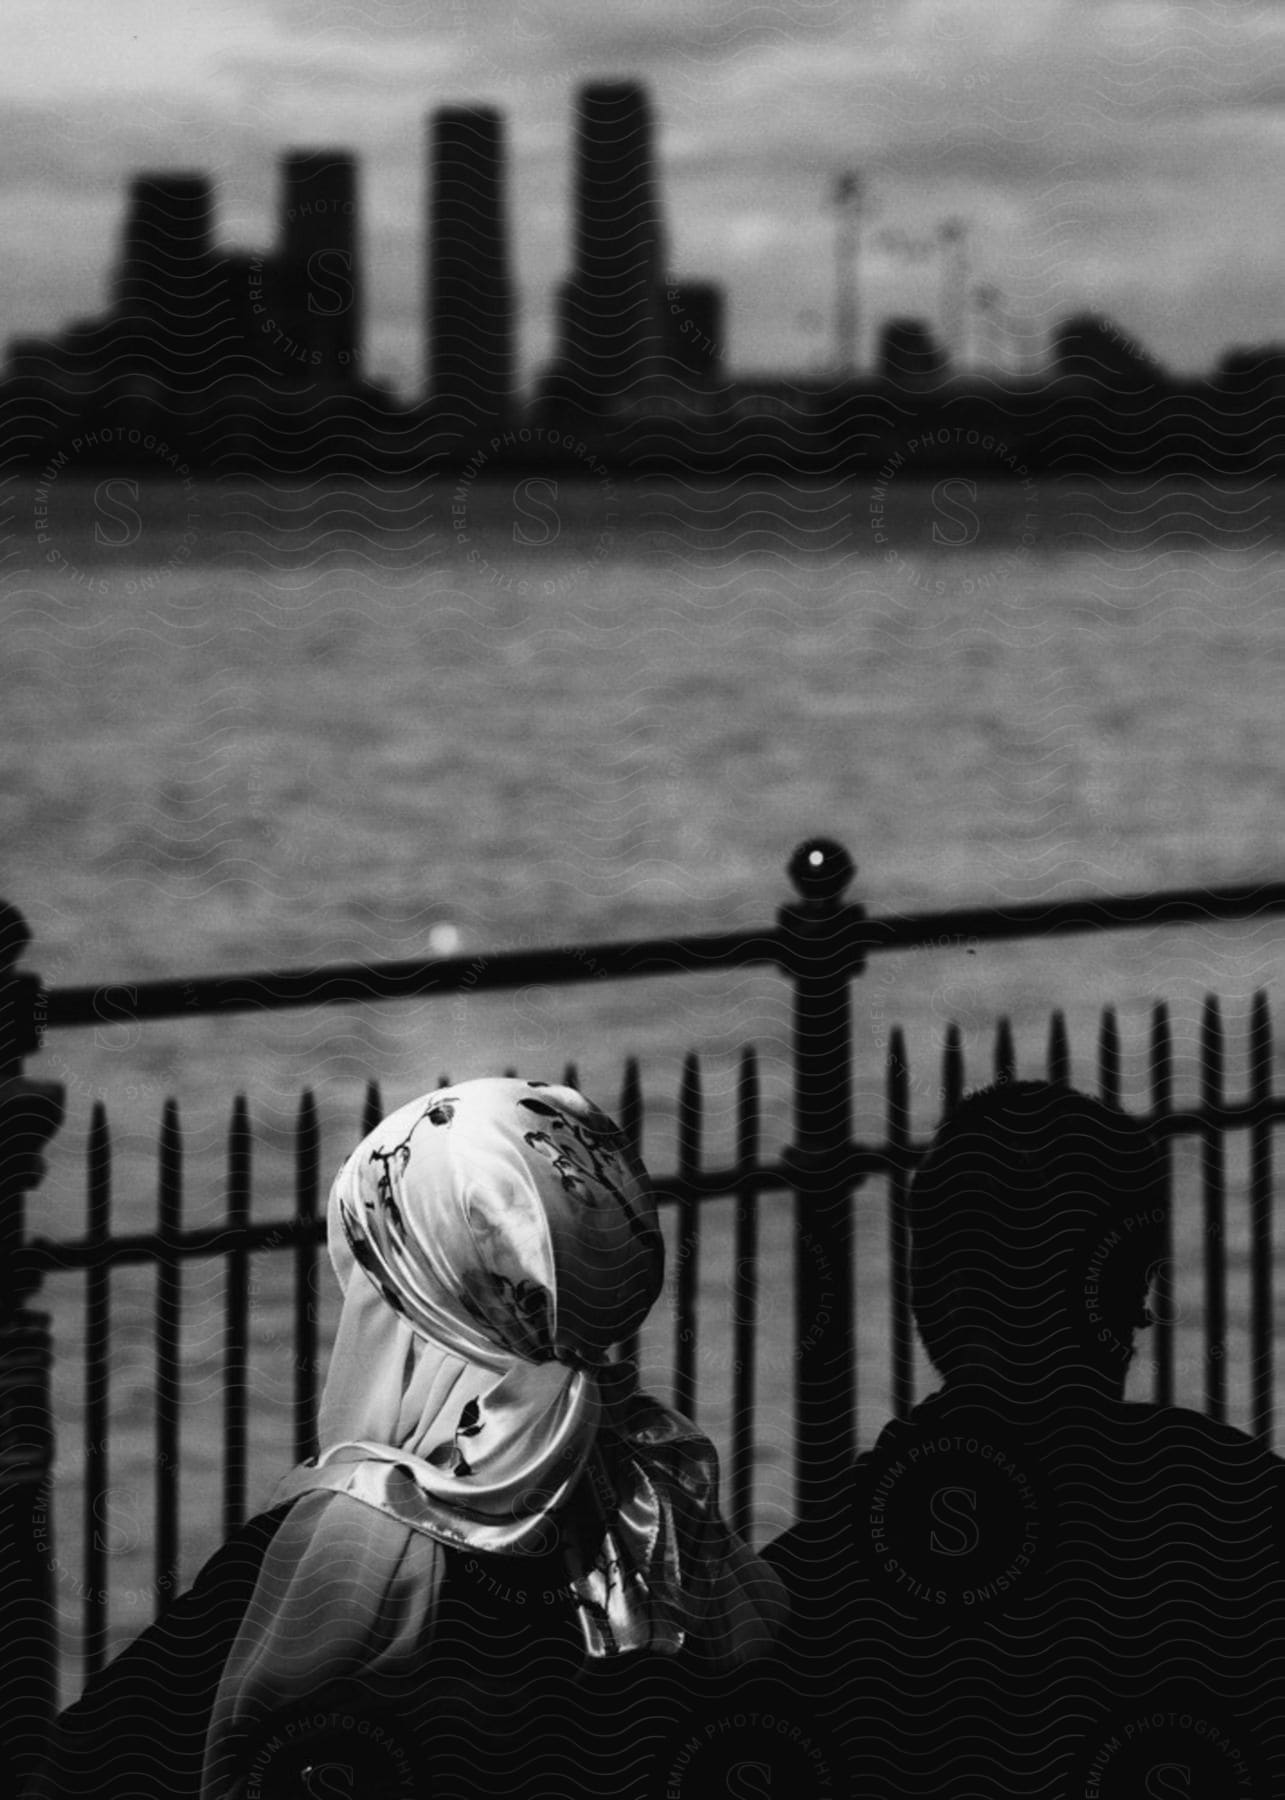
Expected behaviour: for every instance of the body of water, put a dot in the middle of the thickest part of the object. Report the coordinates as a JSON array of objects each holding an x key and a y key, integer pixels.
[{"x": 252, "y": 727}]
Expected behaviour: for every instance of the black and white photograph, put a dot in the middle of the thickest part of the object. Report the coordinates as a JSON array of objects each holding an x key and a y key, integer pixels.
[{"x": 642, "y": 689}]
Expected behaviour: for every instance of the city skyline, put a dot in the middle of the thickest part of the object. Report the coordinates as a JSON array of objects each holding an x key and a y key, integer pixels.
[
  {"x": 1104, "y": 160},
  {"x": 188, "y": 312},
  {"x": 195, "y": 325}
]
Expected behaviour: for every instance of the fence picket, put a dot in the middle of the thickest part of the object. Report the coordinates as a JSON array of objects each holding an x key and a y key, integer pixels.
[
  {"x": 690, "y": 1120},
  {"x": 169, "y": 1206},
  {"x": 1213, "y": 1177},
  {"x": 898, "y": 1138},
  {"x": 1059, "y": 1053},
  {"x": 236, "y": 1328},
  {"x": 373, "y": 1110},
  {"x": 1109, "y": 1057},
  {"x": 952, "y": 1069},
  {"x": 1005, "y": 1055},
  {"x": 630, "y": 1120},
  {"x": 307, "y": 1192},
  {"x": 744, "y": 1292},
  {"x": 97, "y": 1386},
  {"x": 1260, "y": 1221},
  {"x": 1161, "y": 1107}
]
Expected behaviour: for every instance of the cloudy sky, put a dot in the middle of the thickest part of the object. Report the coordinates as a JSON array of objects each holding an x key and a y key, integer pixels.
[{"x": 1125, "y": 155}]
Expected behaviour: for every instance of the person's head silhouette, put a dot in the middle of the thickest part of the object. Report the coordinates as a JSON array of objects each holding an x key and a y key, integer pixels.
[{"x": 1036, "y": 1218}]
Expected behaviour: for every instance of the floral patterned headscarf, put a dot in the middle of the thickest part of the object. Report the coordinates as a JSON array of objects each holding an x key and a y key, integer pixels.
[
  {"x": 493, "y": 1241},
  {"x": 505, "y": 1219}
]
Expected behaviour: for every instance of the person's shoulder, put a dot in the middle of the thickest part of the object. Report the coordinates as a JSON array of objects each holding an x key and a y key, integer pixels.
[
  {"x": 200, "y": 1616},
  {"x": 332, "y": 1514},
  {"x": 1182, "y": 1427},
  {"x": 1186, "y": 1461},
  {"x": 825, "y": 1543},
  {"x": 336, "y": 1542},
  {"x": 139, "y": 1725},
  {"x": 232, "y": 1569}
]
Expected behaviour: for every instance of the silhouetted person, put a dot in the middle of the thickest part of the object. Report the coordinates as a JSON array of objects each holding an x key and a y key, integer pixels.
[{"x": 1034, "y": 1587}]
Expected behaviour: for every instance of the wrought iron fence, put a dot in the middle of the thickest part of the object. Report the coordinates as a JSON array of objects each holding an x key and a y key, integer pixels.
[{"x": 820, "y": 942}]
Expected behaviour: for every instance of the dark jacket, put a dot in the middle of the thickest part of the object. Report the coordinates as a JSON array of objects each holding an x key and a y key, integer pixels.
[
  {"x": 1003, "y": 1607},
  {"x": 508, "y": 1704}
]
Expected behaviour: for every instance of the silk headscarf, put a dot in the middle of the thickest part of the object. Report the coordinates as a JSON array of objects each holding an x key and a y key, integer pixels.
[{"x": 492, "y": 1241}]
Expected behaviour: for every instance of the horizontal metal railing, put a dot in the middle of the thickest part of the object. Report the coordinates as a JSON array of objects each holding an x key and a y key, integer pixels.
[{"x": 849, "y": 942}]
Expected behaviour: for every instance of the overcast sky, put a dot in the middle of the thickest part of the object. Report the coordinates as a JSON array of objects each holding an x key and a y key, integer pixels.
[{"x": 1112, "y": 154}]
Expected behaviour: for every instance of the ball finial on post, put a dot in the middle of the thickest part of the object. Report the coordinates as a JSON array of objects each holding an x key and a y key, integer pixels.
[{"x": 821, "y": 869}]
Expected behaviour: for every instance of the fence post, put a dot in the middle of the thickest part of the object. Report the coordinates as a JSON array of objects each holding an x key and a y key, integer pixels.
[
  {"x": 821, "y": 958},
  {"x": 30, "y": 1113}
]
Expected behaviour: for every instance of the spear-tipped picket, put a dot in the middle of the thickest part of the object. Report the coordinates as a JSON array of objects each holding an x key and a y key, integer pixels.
[
  {"x": 689, "y": 1162},
  {"x": 952, "y": 1069},
  {"x": 169, "y": 1399},
  {"x": 1109, "y": 1057},
  {"x": 97, "y": 1386},
  {"x": 744, "y": 1291},
  {"x": 237, "y": 1321},
  {"x": 903, "y": 1397},
  {"x": 630, "y": 1119},
  {"x": 1161, "y": 1107},
  {"x": 307, "y": 1199},
  {"x": 1260, "y": 1219},
  {"x": 1059, "y": 1051},
  {"x": 1213, "y": 1175}
]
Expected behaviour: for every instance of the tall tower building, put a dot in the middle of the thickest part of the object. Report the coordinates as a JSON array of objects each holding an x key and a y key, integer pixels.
[
  {"x": 167, "y": 242},
  {"x": 318, "y": 273},
  {"x": 166, "y": 285},
  {"x": 612, "y": 333},
  {"x": 471, "y": 302}
]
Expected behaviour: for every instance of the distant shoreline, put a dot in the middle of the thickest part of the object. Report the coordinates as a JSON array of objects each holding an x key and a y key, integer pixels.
[{"x": 1063, "y": 428}]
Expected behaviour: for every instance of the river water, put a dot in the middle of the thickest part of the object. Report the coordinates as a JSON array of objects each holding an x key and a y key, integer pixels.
[{"x": 251, "y": 727}]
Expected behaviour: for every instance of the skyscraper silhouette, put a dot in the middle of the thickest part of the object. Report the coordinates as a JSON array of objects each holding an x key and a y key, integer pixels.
[
  {"x": 318, "y": 272},
  {"x": 611, "y": 328},
  {"x": 166, "y": 283},
  {"x": 470, "y": 291},
  {"x": 166, "y": 242}
]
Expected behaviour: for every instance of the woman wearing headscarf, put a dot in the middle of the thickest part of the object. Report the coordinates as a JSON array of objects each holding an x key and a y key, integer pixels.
[{"x": 498, "y": 1533}]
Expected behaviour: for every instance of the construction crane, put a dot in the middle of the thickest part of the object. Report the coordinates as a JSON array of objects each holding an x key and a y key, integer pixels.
[
  {"x": 847, "y": 199},
  {"x": 988, "y": 304},
  {"x": 952, "y": 236}
]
